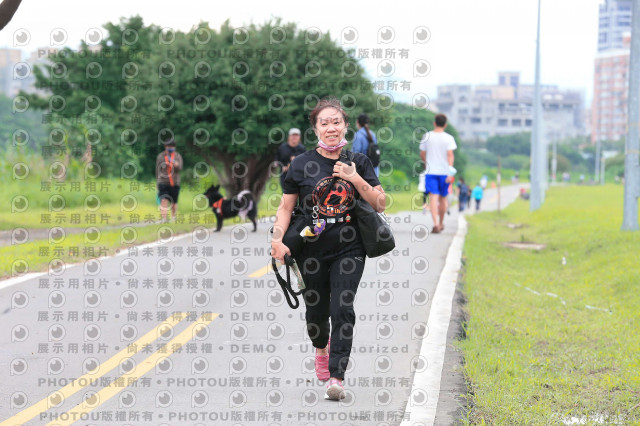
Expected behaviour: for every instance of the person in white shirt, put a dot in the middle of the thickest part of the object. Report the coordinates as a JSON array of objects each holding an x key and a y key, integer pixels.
[{"x": 436, "y": 150}]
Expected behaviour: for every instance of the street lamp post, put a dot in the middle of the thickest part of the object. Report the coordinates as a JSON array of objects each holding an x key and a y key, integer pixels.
[
  {"x": 538, "y": 161},
  {"x": 596, "y": 171},
  {"x": 554, "y": 160},
  {"x": 632, "y": 145}
]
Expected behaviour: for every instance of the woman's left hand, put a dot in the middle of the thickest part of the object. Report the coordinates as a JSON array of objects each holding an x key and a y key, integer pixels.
[{"x": 344, "y": 171}]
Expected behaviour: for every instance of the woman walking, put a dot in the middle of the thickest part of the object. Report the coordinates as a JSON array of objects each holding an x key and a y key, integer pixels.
[
  {"x": 363, "y": 137},
  {"x": 331, "y": 263}
]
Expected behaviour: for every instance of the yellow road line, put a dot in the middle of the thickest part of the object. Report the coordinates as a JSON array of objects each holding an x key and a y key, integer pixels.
[
  {"x": 260, "y": 272},
  {"x": 67, "y": 391},
  {"x": 110, "y": 391}
]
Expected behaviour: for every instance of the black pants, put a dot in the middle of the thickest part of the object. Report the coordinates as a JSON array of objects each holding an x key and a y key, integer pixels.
[
  {"x": 462, "y": 203},
  {"x": 331, "y": 285},
  {"x": 478, "y": 204}
]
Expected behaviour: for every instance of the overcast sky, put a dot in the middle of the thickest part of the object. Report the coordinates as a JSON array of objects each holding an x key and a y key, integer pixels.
[{"x": 470, "y": 40}]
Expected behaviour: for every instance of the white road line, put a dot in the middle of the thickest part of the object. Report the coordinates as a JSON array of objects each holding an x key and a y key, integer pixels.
[{"x": 435, "y": 343}]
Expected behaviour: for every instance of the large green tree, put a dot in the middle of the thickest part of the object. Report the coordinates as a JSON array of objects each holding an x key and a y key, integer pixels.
[
  {"x": 85, "y": 88},
  {"x": 226, "y": 96},
  {"x": 20, "y": 128}
]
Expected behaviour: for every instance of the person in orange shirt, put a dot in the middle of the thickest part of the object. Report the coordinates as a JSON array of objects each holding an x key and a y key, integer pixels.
[{"x": 168, "y": 166}]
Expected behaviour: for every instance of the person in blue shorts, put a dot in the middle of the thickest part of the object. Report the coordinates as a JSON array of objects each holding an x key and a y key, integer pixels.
[{"x": 436, "y": 150}]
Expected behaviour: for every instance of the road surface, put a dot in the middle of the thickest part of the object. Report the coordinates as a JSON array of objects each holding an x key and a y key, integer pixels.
[{"x": 194, "y": 329}]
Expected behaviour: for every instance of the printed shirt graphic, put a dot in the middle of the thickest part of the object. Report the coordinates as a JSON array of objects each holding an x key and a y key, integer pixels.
[{"x": 336, "y": 200}]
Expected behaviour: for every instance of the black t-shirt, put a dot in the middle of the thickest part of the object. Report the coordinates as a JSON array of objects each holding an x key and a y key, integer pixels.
[
  {"x": 309, "y": 176},
  {"x": 285, "y": 151}
]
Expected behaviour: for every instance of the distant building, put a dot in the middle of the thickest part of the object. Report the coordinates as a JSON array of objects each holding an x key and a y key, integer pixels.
[
  {"x": 9, "y": 57},
  {"x": 610, "y": 87},
  {"x": 611, "y": 68},
  {"x": 507, "y": 107},
  {"x": 9, "y": 85},
  {"x": 614, "y": 20},
  {"x": 37, "y": 58},
  {"x": 17, "y": 74}
]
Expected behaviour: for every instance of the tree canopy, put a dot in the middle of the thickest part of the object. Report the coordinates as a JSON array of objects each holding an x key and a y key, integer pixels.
[{"x": 227, "y": 96}]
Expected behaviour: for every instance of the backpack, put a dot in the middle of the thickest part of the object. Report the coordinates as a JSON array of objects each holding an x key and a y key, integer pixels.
[
  {"x": 465, "y": 191},
  {"x": 373, "y": 152}
]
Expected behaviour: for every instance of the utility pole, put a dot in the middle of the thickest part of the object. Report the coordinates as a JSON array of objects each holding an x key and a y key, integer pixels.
[
  {"x": 544, "y": 146},
  {"x": 538, "y": 162},
  {"x": 498, "y": 179},
  {"x": 632, "y": 149},
  {"x": 554, "y": 160},
  {"x": 597, "y": 162}
]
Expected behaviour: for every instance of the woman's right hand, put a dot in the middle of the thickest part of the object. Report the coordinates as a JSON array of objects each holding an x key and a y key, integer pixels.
[{"x": 278, "y": 250}]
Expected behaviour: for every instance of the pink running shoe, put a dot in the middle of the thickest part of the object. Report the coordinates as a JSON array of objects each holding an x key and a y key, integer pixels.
[
  {"x": 322, "y": 364},
  {"x": 335, "y": 390}
]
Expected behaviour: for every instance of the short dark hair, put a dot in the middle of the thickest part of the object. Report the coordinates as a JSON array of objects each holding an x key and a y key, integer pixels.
[
  {"x": 440, "y": 120},
  {"x": 329, "y": 102}
]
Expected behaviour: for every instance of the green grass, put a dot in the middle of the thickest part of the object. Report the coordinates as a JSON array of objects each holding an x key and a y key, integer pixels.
[
  {"x": 530, "y": 358},
  {"x": 108, "y": 192},
  {"x": 108, "y": 245}
]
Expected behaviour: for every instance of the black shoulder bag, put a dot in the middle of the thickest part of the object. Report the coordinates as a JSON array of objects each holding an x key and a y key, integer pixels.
[{"x": 374, "y": 227}]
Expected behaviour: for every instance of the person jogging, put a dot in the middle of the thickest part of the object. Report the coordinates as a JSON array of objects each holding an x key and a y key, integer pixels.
[{"x": 331, "y": 263}]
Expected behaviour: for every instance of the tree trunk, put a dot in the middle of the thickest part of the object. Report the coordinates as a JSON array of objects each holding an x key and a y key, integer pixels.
[
  {"x": 235, "y": 177},
  {"x": 259, "y": 176},
  {"x": 87, "y": 157}
]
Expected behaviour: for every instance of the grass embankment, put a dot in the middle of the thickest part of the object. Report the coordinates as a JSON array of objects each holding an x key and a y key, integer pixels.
[
  {"x": 548, "y": 340},
  {"x": 81, "y": 210}
]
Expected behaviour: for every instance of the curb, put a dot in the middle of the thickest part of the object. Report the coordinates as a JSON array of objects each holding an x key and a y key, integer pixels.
[{"x": 434, "y": 345}]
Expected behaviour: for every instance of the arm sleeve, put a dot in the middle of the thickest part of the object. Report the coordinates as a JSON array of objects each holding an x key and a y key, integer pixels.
[
  {"x": 452, "y": 144},
  {"x": 278, "y": 155},
  {"x": 178, "y": 163},
  {"x": 423, "y": 143},
  {"x": 290, "y": 185},
  {"x": 159, "y": 162}
]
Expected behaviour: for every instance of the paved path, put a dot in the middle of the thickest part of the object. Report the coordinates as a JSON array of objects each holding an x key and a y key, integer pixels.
[
  {"x": 239, "y": 355},
  {"x": 24, "y": 235}
]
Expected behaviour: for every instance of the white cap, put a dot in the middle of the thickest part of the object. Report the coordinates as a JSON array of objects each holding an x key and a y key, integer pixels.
[{"x": 294, "y": 131}]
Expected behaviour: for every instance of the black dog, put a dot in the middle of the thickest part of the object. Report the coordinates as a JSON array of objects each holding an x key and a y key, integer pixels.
[{"x": 242, "y": 204}]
